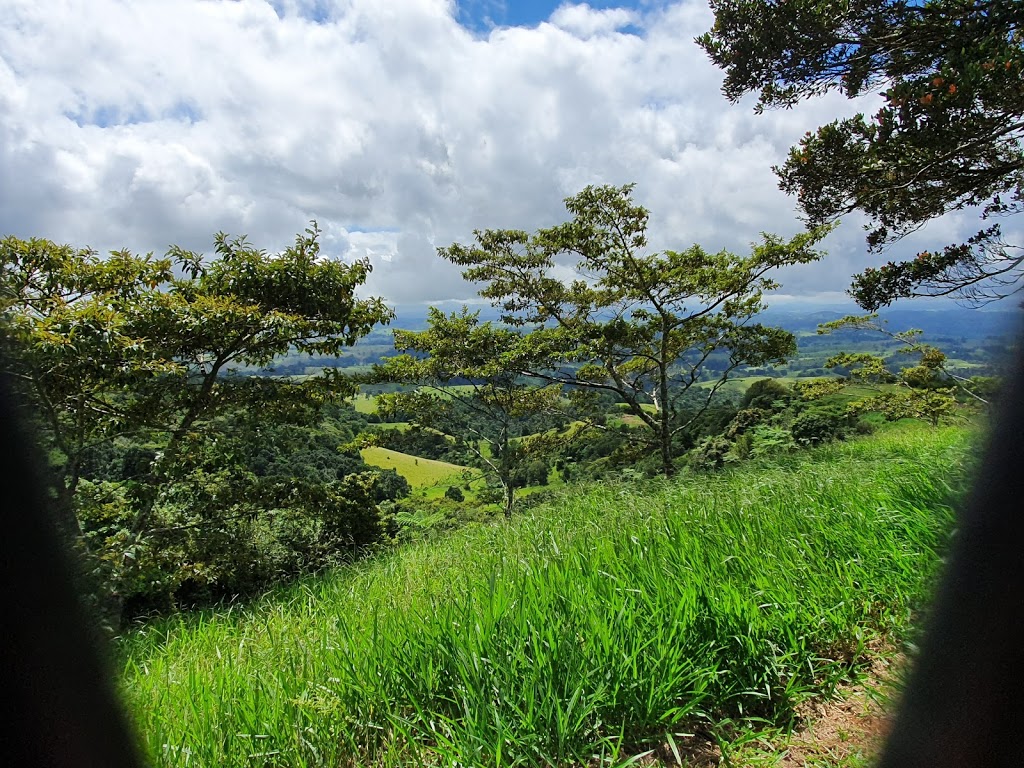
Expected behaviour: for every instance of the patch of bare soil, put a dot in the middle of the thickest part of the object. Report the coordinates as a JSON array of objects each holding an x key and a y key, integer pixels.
[{"x": 847, "y": 731}]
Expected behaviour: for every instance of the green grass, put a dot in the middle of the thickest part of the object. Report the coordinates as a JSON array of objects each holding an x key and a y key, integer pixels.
[
  {"x": 364, "y": 403},
  {"x": 420, "y": 472},
  {"x": 579, "y": 633},
  {"x": 740, "y": 384},
  {"x": 400, "y": 426}
]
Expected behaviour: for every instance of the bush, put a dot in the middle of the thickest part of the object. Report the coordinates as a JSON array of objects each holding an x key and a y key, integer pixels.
[
  {"x": 813, "y": 427},
  {"x": 710, "y": 453},
  {"x": 767, "y": 440},
  {"x": 454, "y": 493},
  {"x": 764, "y": 394},
  {"x": 865, "y": 427}
]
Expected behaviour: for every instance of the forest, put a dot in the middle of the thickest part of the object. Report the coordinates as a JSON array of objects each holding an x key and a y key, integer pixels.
[{"x": 620, "y": 509}]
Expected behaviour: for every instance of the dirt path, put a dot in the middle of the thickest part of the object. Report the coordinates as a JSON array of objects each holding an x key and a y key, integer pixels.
[
  {"x": 848, "y": 731},
  {"x": 845, "y": 732}
]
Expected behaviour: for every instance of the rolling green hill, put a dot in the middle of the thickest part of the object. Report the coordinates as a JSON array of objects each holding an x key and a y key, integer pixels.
[
  {"x": 585, "y": 632},
  {"x": 420, "y": 473}
]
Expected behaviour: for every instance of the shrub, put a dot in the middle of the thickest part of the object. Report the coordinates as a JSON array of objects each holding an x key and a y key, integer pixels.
[
  {"x": 765, "y": 393},
  {"x": 819, "y": 425}
]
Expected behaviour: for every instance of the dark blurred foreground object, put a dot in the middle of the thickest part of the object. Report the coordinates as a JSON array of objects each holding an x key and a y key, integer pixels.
[
  {"x": 964, "y": 703},
  {"x": 61, "y": 709}
]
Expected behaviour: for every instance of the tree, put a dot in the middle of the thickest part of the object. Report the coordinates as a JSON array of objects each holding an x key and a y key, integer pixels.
[
  {"x": 643, "y": 325},
  {"x": 140, "y": 347},
  {"x": 947, "y": 136},
  {"x": 491, "y": 399},
  {"x": 767, "y": 395}
]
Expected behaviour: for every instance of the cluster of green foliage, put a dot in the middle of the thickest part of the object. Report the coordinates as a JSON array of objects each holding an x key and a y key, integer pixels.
[
  {"x": 947, "y": 137},
  {"x": 135, "y": 351},
  {"x": 925, "y": 390},
  {"x": 581, "y": 632},
  {"x": 771, "y": 419}
]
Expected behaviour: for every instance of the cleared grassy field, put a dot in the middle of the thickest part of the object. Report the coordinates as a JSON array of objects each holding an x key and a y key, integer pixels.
[
  {"x": 629, "y": 419},
  {"x": 364, "y": 403},
  {"x": 740, "y": 384},
  {"x": 420, "y": 473},
  {"x": 400, "y": 426},
  {"x": 584, "y": 632}
]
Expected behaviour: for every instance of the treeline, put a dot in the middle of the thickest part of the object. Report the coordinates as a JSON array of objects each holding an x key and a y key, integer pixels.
[{"x": 251, "y": 503}]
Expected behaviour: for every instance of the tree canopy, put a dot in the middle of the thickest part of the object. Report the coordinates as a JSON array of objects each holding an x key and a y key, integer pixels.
[
  {"x": 947, "y": 135},
  {"x": 486, "y": 362},
  {"x": 646, "y": 326},
  {"x": 133, "y": 347}
]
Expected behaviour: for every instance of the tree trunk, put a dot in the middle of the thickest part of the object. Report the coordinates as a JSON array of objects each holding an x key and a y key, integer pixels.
[
  {"x": 665, "y": 415},
  {"x": 64, "y": 513},
  {"x": 505, "y": 471},
  {"x": 510, "y": 497},
  {"x": 665, "y": 441}
]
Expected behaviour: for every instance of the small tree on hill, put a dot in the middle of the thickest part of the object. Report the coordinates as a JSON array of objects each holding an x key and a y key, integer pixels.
[
  {"x": 138, "y": 347},
  {"x": 490, "y": 400},
  {"x": 642, "y": 325},
  {"x": 924, "y": 390}
]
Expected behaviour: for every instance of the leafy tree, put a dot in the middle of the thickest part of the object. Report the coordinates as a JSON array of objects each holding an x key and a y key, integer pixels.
[
  {"x": 491, "y": 400},
  {"x": 136, "y": 346},
  {"x": 931, "y": 371},
  {"x": 766, "y": 394},
  {"x": 642, "y": 325},
  {"x": 947, "y": 135}
]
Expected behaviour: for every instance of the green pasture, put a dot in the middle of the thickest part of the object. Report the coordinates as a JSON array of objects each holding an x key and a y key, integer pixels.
[
  {"x": 400, "y": 426},
  {"x": 740, "y": 384},
  {"x": 420, "y": 473},
  {"x": 364, "y": 403}
]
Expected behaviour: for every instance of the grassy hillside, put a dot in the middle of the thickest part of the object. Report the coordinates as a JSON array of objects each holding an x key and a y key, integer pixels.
[
  {"x": 364, "y": 403},
  {"x": 420, "y": 472},
  {"x": 579, "y": 633}
]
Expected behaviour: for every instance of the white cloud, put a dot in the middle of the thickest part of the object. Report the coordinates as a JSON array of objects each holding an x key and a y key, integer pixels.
[
  {"x": 585, "y": 21},
  {"x": 126, "y": 124}
]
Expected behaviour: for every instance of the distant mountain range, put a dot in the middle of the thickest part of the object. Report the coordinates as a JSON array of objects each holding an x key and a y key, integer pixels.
[
  {"x": 954, "y": 321},
  {"x": 951, "y": 320}
]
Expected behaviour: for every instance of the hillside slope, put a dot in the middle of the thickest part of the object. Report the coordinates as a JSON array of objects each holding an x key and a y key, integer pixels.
[
  {"x": 575, "y": 634},
  {"x": 420, "y": 472}
]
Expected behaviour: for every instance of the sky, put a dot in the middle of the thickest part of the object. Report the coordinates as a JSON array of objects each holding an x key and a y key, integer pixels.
[{"x": 398, "y": 125}]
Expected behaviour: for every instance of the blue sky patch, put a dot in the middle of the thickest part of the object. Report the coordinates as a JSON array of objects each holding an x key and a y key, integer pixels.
[
  {"x": 185, "y": 112},
  {"x": 317, "y": 11},
  {"x": 108, "y": 115},
  {"x": 484, "y": 15},
  {"x": 113, "y": 115}
]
